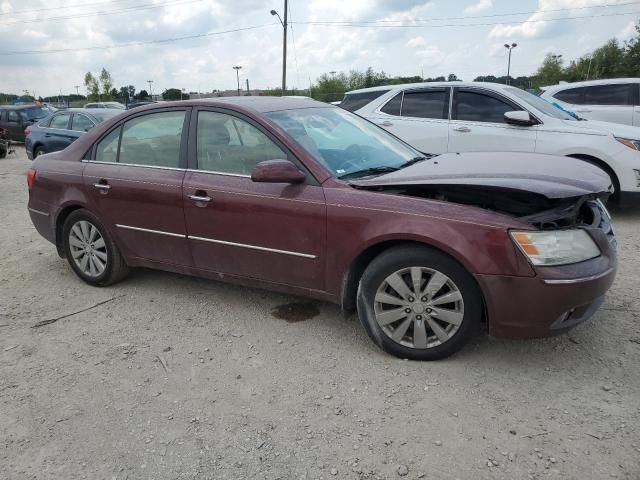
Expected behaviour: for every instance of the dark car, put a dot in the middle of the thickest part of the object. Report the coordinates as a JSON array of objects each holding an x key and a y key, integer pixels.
[
  {"x": 302, "y": 197},
  {"x": 15, "y": 118},
  {"x": 62, "y": 128}
]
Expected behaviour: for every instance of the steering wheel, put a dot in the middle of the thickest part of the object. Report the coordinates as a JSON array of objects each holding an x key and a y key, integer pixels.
[{"x": 353, "y": 158}]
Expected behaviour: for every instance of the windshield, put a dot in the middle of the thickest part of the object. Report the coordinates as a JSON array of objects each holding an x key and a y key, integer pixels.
[
  {"x": 343, "y": 142},
  {"x": 540, "y": 104}
]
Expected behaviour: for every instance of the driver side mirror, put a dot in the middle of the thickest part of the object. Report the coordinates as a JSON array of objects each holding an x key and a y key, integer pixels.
[
  {"x": 277, "y": 171},
  {"x": 520, "y": 118}
]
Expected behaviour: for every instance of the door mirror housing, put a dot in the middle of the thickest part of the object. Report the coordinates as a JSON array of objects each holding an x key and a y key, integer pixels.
[
  {"x": 521, "y": 118},
  {"x": 277, "y": 171}
]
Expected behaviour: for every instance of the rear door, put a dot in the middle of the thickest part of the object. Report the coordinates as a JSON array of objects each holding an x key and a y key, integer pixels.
[
  {"x": 609, "y": 103},
  {"x": 134, "y": 178},
  {"x": 478, "y": 125},
  {"x": 57, "y": 135},
  {"x": 420, "y": 117},
  {"x": 274, "y": 232},
  {"x": 15, "y": 125}
]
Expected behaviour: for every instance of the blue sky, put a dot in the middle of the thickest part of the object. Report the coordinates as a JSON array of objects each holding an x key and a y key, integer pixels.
[{"x": 436, "y": 37}]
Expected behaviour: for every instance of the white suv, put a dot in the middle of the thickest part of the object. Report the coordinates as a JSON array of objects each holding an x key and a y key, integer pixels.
[
  {"x": 480, "y": 117},
  {"x": 612, "y": 100}
]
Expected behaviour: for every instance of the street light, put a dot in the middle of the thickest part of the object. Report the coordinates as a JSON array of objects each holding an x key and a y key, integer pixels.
[
  {"x": 237, "y": 69},
  {"x": 284, "y": 45},
  {"x": 77, "y": 87},
  {"x": 509, "y": 47},
  {"x": 150, "y": 82}
]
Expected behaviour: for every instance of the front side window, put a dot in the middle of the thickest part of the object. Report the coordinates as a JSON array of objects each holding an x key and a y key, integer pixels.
[
  {"x": 227, "y": 144},
  {"x": 13, "y": 116},
  {"x": 80, "y": 123},
  {"x": 426, "y": 104},
  {"x": 392, "y": 107},
  {"x": 616, "y": 94},
  {"x": 107, "y": 148},
  {"x": 60, "y": 121},
  {"x": 478, "y": 107},
  {"x": 152, "y": 139}
]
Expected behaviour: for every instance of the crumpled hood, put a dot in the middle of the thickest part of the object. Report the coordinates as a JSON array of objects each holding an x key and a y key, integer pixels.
[
  {"x": 596, "y": 127},
  {"x": 549, "y": 175}
]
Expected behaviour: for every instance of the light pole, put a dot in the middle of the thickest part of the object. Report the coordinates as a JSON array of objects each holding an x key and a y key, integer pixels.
[
  {"x": 150, "y": 82},
  {"x": 284, "y": 45},
  {"x": 77, "y": 87},
  {"x": 509, "y": 47},
  {"x": 237, "y": 69}
]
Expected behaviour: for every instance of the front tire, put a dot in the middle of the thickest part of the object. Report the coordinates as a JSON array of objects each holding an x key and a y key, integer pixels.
[
  {"x": 90, "y": 250},
  {"x": 38, "y": 151},
  {"x": 418, "y": 303}
]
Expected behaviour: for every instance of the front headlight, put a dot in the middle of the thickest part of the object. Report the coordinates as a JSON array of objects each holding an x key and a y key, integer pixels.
[
  {"x": 628, "y": 142},
  {"x": 556, "y": 247}
]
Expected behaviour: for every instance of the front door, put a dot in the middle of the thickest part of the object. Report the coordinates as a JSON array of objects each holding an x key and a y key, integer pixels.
[
  {"x": 135, "y": 181},
  {"x": 273, "y": 232},
  {"x": 478, "y": 125},
  {"x": 15, "y": 126},
  {"x": 57, "y": 134}
]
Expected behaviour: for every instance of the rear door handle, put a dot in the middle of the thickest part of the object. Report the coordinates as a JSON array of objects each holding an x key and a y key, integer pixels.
[
  {"x": 200, "y": 198},
  {"x": 102, "y": 185},
  {"x": 386, "y": 123},
  {"x": 461, "y": 129}
]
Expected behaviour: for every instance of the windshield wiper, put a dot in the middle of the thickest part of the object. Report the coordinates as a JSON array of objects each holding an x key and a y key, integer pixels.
[
  {"x": 368, "y": 171},
  {"x": 416, "y": 160}
]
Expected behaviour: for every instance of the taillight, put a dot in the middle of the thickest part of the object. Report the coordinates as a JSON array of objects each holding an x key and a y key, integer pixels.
[
  {"x": 27, "y": 131},
  {"x": 31, "y": 177}
]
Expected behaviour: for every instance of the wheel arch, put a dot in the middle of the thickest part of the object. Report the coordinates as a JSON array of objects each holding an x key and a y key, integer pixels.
[
  {"x": 600, "y": 164},
  {"x": 351, "y": 279},
  {"x": 60, "y": 219}
]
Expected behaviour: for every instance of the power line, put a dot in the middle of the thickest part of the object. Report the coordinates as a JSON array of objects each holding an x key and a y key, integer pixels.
[
  {"x": 148, "y": 6},
  {"x": 75, "y": 5},
  {"x": 132, "y": 44},
  {"x": 361, "y": 25},
  {"x": 293, "y": 41},
  {"x": 467, "y": 17}
]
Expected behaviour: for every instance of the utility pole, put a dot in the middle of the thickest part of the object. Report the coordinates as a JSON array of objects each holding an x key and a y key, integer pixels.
[
  {"x": 150, "y": 82},
  {"x": 237, "y": 69},
  {"x": 284, "y": 44},
  {"x": 509, "y": 47},
  {"x": 248, "y": 91},
  {"x": 77, "y": 87}
]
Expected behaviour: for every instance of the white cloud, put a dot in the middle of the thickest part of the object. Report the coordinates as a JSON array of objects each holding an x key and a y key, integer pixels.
[
  {"x": 428, "y": 55},
  {"x": 478, "y": 7},
  {"x": 627, "y": 32}
]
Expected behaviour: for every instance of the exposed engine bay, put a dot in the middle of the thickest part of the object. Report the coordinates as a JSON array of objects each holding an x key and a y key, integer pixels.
[{"x": 534, "y": 208}]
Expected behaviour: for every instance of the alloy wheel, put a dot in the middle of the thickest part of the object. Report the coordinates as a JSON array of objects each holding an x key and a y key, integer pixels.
[
  {"x": 419, "y": 307},
  {"x": 88, "y": 248}
]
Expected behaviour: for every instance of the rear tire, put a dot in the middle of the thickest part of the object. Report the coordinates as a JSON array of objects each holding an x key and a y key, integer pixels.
[
  {"x": 38, "y": 151},
  {"x": 418, "y": 303},
  {"x": 91, "y": 251}
]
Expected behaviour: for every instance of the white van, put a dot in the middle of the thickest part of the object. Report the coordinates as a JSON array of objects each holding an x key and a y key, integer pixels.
[{"x": 615, "y": 100}]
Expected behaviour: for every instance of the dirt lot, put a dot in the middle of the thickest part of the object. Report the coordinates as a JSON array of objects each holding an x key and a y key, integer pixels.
[{"x": 177, "y": 377}]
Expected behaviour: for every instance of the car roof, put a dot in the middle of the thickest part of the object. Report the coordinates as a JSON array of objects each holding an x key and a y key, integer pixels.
[
  {"x": 21, "y": 106},
  {"x": 85, "y": 112},
  {"x": 585, "y": 83},
  {"x": 259, "y": 104},
  {"x": 403, "y": 86}
]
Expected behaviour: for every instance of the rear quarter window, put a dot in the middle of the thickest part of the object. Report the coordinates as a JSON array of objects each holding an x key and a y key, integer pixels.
[
  {"x": 574, "y": 96},
  {"x": 614, "y": 94},
  {"x": 355, "y": 101}
]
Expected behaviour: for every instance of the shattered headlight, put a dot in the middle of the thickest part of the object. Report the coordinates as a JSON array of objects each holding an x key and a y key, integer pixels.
[
  {"x": 556, "y": 247},
  {"x": 635, "y": 144}
]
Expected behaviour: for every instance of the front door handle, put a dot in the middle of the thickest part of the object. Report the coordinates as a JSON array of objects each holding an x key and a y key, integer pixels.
[
  {"x": 462, "y": 129},
  {"x": 102, "y": 185},
  {"x": 200, "y": 196},
  {"x": 387, "y": 123}
]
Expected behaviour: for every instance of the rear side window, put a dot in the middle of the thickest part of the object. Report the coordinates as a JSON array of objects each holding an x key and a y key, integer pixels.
[
  {"x": 60, "y": 121},
  {"x": 227, "y": 144},
  {"x": 616, "y": 94},
  {"x": 152, "y": 139},
  {"x": 426, "y": 104},
  {"x": 13, "y": 116},
  {"x": 478, "y": 107},
  {"x": 392, "y": 107},
  {"x": 574, "y": 96},
  {"x": 355, "y": 101}
]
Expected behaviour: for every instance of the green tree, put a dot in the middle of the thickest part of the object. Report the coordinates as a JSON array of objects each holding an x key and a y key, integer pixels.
[
  {"x": 632, "y": 55},
  {"x": 93, "y": 87},
  {"x": 106, "y": 82},
  {"x": 142, "y": 95},
  {"x": 174, "y": 94},
  {"x": 550, "y": 72}
]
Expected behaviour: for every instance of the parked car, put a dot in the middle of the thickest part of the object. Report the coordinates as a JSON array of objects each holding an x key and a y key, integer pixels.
[
  {"x": 111, "y": 105},
  {"x": 15, "y": 118},
  {"x": 4, "y": 143},
  {"x": 303, "y": 197},
  {"x": 62, "y": 128},
  {"x": 480, "y": 117},
  {"x": 614, "y": 100}
]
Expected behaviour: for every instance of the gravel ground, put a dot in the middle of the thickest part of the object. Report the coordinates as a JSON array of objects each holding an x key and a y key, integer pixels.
[{"x": 177, "y": 377}]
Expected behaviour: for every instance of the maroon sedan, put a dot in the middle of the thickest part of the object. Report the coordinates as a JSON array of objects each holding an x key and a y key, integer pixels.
[{"x": 305, "y": 198}]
